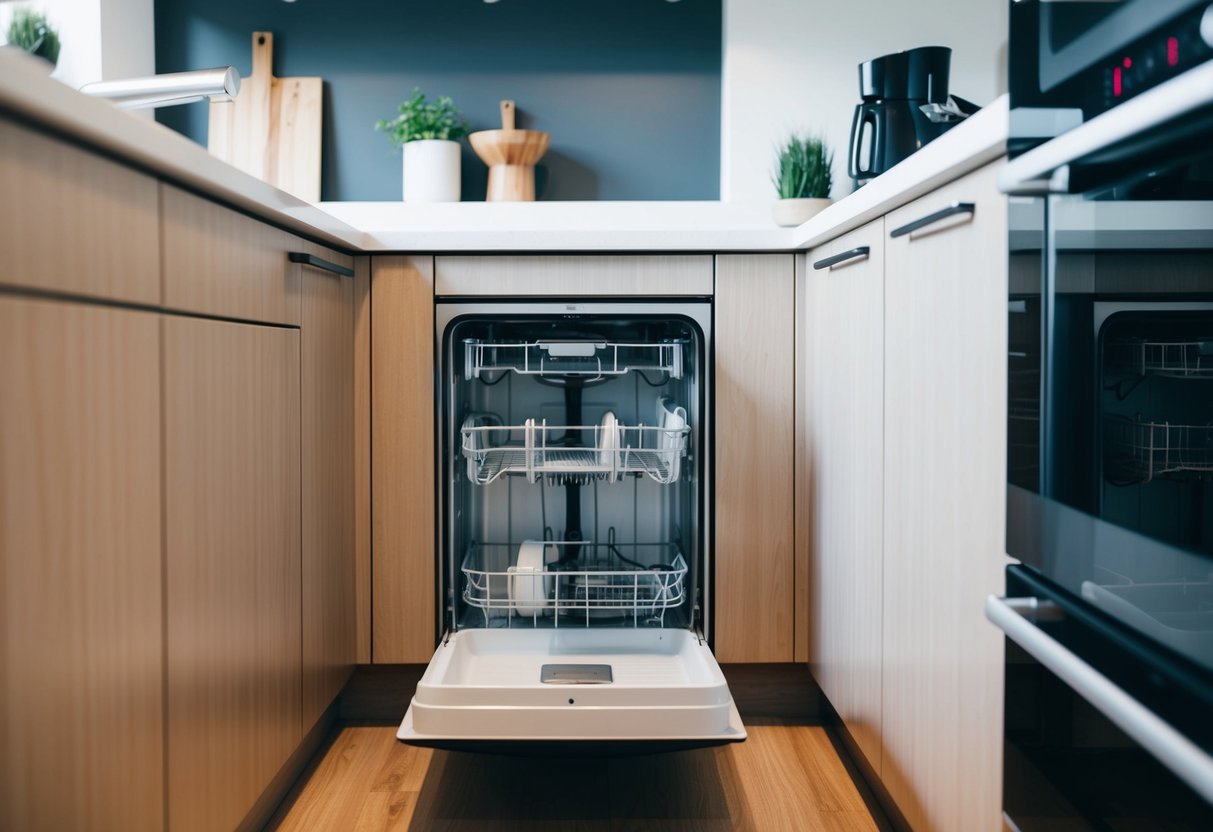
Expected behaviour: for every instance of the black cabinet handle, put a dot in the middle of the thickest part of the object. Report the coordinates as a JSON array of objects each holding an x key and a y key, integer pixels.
[
  {"x": 842, "y": 257},
  {"x": 943, "y": 213},
  {"x": 316, "y": 262}
]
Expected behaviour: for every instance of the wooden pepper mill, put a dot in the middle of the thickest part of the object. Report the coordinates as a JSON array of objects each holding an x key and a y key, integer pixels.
[{"x": 511, "y": 156}]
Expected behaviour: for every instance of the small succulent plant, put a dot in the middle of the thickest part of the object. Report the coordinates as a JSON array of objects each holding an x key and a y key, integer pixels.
[{"x": 803, "y": 169}]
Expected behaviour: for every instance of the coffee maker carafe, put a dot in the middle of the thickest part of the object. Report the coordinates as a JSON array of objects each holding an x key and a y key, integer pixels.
[{"x": 890, "y": 123}]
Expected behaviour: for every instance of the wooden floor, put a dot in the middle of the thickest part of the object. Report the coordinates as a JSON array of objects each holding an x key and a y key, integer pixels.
[{"x": 783, "y": 777}]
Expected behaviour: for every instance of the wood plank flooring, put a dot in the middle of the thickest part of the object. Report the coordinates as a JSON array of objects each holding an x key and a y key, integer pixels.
[{"x": 784, "y": 777}]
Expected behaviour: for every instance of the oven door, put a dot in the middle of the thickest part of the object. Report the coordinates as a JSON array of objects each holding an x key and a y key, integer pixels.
[
  {"x": 1110, "y": 458},
  {"x": 1102, "y": 731}
]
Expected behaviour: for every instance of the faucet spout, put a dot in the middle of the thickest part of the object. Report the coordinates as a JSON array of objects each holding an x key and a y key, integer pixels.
[{"x": 221, "y": 83}]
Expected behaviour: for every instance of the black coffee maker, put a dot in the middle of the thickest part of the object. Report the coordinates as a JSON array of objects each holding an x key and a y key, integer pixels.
[{"x": 891, "y": 123}]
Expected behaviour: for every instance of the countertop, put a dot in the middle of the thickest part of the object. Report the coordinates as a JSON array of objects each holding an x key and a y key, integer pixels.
[{"x": 27, "y": 92}]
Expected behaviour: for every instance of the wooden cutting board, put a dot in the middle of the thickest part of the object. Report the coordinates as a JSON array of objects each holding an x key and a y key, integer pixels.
[{"x": 272, "y": 129}]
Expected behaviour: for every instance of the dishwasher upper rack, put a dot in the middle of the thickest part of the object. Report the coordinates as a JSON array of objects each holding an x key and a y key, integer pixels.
[
  {"x": 572, "y": 454},
  {"x": 590, "y": 359},
  {"x": 596, "y": 586}
]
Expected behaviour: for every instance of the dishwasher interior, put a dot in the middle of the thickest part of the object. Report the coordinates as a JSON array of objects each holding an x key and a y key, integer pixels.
[
  {"x": 573, "y": 456},
  {"x": 573, "y": 486}
]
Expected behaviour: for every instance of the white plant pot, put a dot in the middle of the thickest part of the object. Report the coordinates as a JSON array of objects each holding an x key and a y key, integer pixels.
[
  {"x": 431, "y": 171},
  {"x": 797, "y": 211}
]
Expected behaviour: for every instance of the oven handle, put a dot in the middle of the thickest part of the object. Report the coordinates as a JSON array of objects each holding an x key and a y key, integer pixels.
[
  {"x": 1181, "y": 756},
  {"x": 1045, "y": 169}
]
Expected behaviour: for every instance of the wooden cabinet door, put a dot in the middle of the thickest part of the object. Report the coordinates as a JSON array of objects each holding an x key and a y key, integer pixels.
[
  {"x": 72, "y": 221},
  {"x": 81, "y": 645},
  {"x": 944, "y": 452},
  {"x": 327, "y": 419},
  {"x": 232, "y": 560},
  {"x": 840, "y": 473},
  {"x": 219, "y": 262},
  {"x": 403, "y": 566},
  {"x": 754, "y": 346}
]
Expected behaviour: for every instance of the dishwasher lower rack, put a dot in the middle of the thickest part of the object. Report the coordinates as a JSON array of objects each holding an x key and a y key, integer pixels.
[
  {"x": 598, "y": 586},
  {"x": 560, "y": 453}
]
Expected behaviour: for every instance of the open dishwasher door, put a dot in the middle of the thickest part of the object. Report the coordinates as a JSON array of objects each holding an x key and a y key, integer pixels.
[
  {"x": 655, "y": 687},
  {"x": 573, "y": 485}
]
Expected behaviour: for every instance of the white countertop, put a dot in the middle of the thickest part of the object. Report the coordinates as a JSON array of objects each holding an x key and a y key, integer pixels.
[
  {"x": 27, "y": 91},
  {"x": 672, "y": 226}
]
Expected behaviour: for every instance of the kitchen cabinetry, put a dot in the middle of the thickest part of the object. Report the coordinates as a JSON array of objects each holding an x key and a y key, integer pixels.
[
  {"x": 900, "y": 484},
  {"x": 944, "y": 460},
  {"x": 81, "y": 651},
  {"x": 73, "y": 222},
  {"x": 404, "y": 617},
  {"x": 232, "y": 561},
  {"x": 327, "y": 424},
  {"x": 218, "y": 262},
  {"x": 839, "y": 493},
  {"x": 623, "y": 275},
  {"x": 754, "y": 581}
]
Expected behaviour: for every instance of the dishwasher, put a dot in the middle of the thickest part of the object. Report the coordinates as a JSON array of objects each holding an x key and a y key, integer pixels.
[{"x": 573, "y": 484}]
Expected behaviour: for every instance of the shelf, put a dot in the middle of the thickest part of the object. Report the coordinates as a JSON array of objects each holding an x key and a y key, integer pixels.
[
  {"x": 561, "y": 454},
  {"x": 592, "y": 359},
  {"x": 1174, "y": 359},
  {"x": 599, "y": 583},
  {"x": 1138, "y": 452}
]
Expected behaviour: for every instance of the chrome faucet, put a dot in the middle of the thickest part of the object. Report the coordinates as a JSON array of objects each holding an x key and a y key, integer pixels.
[{"x": 221, "y": 83}]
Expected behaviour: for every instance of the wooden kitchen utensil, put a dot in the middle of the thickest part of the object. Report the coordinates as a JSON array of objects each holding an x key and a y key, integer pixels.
[
  {"x": 511, "y": 156},
  {"x": 272, "y": 129}
]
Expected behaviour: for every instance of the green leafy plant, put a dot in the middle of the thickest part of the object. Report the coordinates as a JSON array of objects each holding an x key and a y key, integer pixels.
[
  {"x": 803, "y": 168},
  {"x": 421, "y": 119},
  {"x": 31, "y": 31}
]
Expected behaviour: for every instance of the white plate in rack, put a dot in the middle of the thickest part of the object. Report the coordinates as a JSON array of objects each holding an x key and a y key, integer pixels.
[
  {"x": 608, "y": 441},
  {"x": 529, "y": 586}
]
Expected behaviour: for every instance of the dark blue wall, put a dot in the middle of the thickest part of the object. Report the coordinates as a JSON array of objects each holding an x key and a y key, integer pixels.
[{"x": 629, "y": 89}]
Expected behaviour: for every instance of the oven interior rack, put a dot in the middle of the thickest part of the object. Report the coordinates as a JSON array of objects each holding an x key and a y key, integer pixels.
[
  {"x": 1190, "y": 358},
  {"x": 1138, "y": 451},
  {"x": 618, "y": 582},
  {"x": 571, "y": 454},
  {"x": 590, "y": 359}
]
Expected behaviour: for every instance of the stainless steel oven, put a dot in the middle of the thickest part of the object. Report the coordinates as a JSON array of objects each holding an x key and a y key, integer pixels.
[{"x": 1109, "y": 615}]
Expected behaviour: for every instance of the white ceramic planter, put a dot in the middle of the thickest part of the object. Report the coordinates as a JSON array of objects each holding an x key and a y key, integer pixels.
[
  {"x": 431, "y": 171},
  {"x": 797, "y": 211}
]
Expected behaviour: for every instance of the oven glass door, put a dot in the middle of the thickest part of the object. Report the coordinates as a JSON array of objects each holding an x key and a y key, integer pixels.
[
  {"x": 1067, "y": 764},
  {"x": 1111, "y": 397}
]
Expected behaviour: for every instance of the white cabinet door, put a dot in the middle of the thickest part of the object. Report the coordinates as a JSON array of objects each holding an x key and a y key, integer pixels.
[
  {"x": 944, "y": 484},
  {"x": 840, "y": 297}
]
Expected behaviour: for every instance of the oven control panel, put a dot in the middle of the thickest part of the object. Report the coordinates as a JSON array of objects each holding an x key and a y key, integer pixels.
[{"x": 1159, "y": 56}]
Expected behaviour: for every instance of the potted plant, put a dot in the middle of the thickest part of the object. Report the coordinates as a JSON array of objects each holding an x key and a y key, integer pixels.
[
  {"x": 30, "y": 30},
  {"x": 427, "y": 132},
  {"x": 802, "y": 179}
]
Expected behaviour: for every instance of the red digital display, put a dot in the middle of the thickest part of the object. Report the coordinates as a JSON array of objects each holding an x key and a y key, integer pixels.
[
  {"x": 1117, "y": 82},
  {"x": 1172, "y": 51}
]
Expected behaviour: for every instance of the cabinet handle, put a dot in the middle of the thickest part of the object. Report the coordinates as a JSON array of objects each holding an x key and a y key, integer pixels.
[
  {"x": 842, "y": 257},
  {"x": 316, "y": 262},
  {"x": 1184, "y": 758},
  {"x": 943, "y": 213}
]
